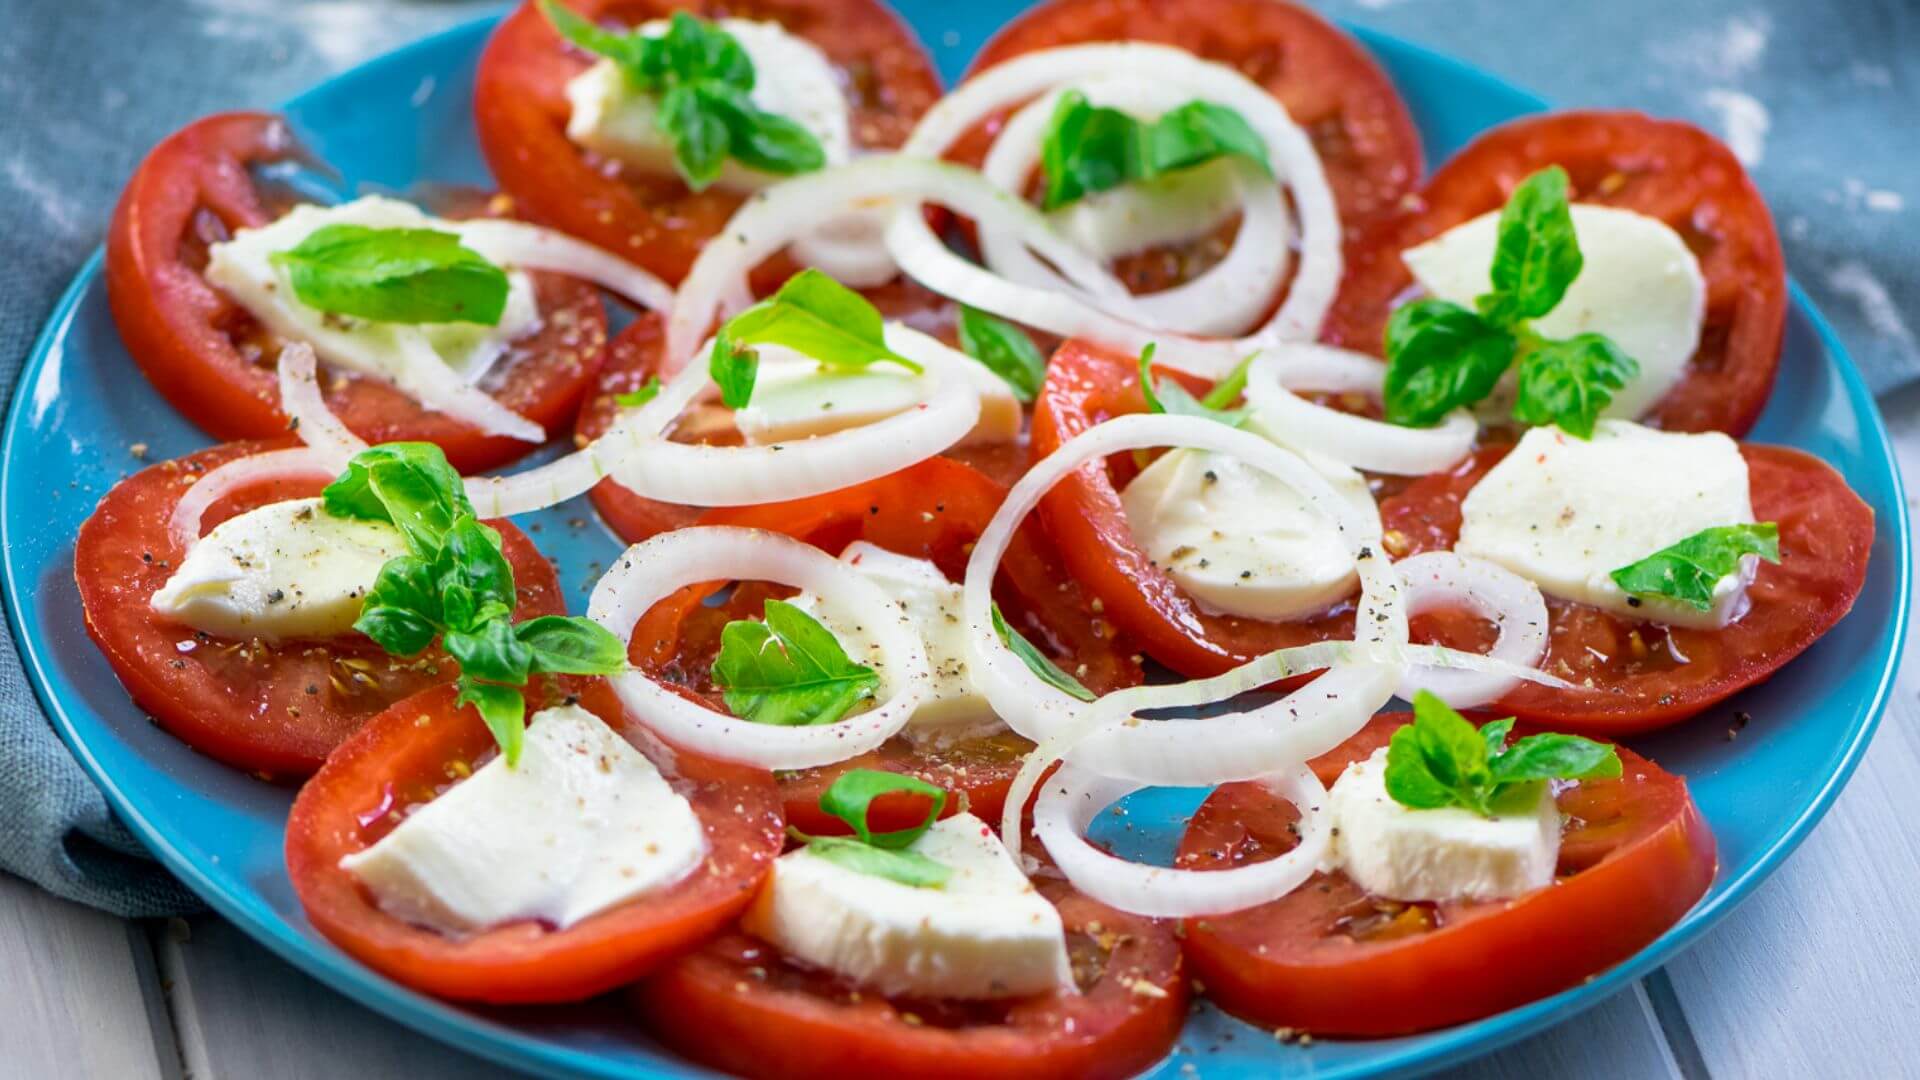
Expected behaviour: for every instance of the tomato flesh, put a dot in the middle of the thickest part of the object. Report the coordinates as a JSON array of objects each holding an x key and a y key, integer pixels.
[
  {"x": 1330, "y": 959},
  {"x": 276, "y": 708},
  {"x": 421, "y": 746}
]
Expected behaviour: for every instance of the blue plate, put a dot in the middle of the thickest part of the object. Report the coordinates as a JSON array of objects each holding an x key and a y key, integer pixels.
[{"x": 402, "y": 120}]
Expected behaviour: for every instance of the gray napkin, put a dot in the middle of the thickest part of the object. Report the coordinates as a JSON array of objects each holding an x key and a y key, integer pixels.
[{"x": 1821, "y": 98}]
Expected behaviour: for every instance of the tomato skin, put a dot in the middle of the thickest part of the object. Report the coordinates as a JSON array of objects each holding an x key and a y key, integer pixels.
[
  {"x": 1826, "y": 537},
  {"x": 521, "y": 962},
  {"x": 247, "y": 704},
  {"x": 210, "y": 359},
  {"x": 1636, "y": 856},
  {"x": 738, "y": 1006},
  {"x": 1663, "y": 168},
  {"x": 1086, "y": 385},
  {"x": 1330, "y": 84},
  {"x": 521, "y": 109}
]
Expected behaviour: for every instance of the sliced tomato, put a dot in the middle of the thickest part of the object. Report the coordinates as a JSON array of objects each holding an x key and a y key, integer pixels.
[
  {"x": 1330, "y": 959},
  {"x": 1662, "y": 168},
  {"x": 276, "y": 708},
  {"x": 215, "y": 363},
  {"x": 1329, "y": 84},
  {"x": 410, "y": 754},
  {"x": 1087, "y": 385},
  {"x": 1637, "y": 676},
  {"x": 934, "y": 510},
  {"x": 739, "y": 1006},
  {"x": 520, "y": 103}
]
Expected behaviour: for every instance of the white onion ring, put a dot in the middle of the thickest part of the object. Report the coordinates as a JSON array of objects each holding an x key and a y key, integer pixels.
[
  {"x": 851, "y": 248},
  {"x": 301, "y": 462},
  {"x": 307, "y": 411},
  {"x": 425, "y": 377},
  {"x": 653, "y": 569},
  {"x": 529, "y": 247},
  {"x": 1512, "y": 603},
  {"x": 1362, "y": 443}
]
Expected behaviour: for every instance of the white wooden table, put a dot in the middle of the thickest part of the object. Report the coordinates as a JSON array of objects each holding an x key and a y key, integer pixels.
[{"x": 1818, "y": 974}]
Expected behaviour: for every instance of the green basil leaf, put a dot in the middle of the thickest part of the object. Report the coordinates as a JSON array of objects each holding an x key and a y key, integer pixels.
[
  {"x": 812, "y": 314},
  {"x": 1688, "y": 570},
  {"x": 735, "y": 368},
  {"x": 762, "y": 140},
  {"x": 1089, "y": 148},
  {"x": 1555, "y": 757},
  {"x": 854, "y": 791},
  {"x": 401, "y": 612},
  {"x": 1046, "y": 670},
  {"x": 1173, "y": 399},
  {"x": 571, "y": 645},
  {"x": 1198, "y": 132},
  {"x": 408, "y": 484},
  {"x": 504, "y": 711},
  {"x": 906, "y": 867},
  {"x": 490, "y": 651},
  {"x": 1440, "y": 357},
  {"x": 697, "y": 49},
  {"x": 1454, "y": 752},
  {"x": 639, "y": 57},
  {"x": 1408, "y": 780},
  {"x": 1228, "y": 390},
  {"x": 697, "y": 131},
  {"x": 1494, "y": 733},
  {"x": 394, "y": 275},
  {"x": 789, "y": 670},
  {"x": 1003, "y": 349},
  {"x": 633, "y": 399},
  {"x": 1536, "y": 255},
  {"x": 474, "y": 577},
  {"x": 1570, "y": 382}
]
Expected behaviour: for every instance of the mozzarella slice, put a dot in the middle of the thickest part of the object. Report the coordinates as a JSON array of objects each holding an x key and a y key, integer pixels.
[
  {"x": 440, "y": 364},
  {"x": 795, "y": 398},
  {"x": 953, "y": 708},
  {"x": 1242, "y": 542},
  {"x": 1401, "y": 853},
  {"x": 582, "y": 824},
  {"x": 1640, "y": 285},
  {"x": 1138, "y": 216},
  {"x": 283, "y": 570},
  {"x": 791, "y": 77},
  {"x": 984, "y": 934},
  {"x": 1565, "y": 513}
]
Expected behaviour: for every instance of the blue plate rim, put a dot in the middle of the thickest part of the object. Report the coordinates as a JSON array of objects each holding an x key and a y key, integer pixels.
[{"x": 509, "y": 1046}]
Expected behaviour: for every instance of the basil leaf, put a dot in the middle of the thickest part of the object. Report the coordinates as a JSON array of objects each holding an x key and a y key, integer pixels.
[
  {"x": 1688, "y": 570},
  {"x": 1454, "y": 752},
  {"x": 1494, "y": 733},
  {"x": 697, "y": 49},
  {"x": 1408, "y": 780},
  {"x": 812, "y": 314},
  {"x": 789, "y": 670},
  {"x": 762, "y": 140},
  {"x": 1173, "y": 399},
  {"x": 1228, "y": 390},
  {"x": 1044, "y": 669},
  {"x": 504, "y": 711},
  {"x": 633, "y": 399},
  {"x": 491, "y": 652},
  {"x": 1570, "y": 382},
  {"x": 1440, "y": 357},
  {"x": 1536, "y": 255},
  {"x": 1089, "y": 148},
  {"x": 571, "y": 645},
  {"x": 637, "y": 55},
  {"x": 697, "y": 131},
  {"x": 906, "y": 867},
  {"x": 854, "y": 791},
  {"x": 1439, "y": 761},
  {"x": 1555, "y": 757},
  {"x": 408, "y": 484},
  {"x": 1005, "y": 350},
  {"x": 1198, "y": 132},
  {"x": 401, "y": 612},
  {"x": 474, "y": 578},
  {"x": 394, "y": 275}
]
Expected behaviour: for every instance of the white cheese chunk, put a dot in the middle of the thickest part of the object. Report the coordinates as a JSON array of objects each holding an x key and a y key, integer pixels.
[
  {"x": 283, "y": 570},
  {"x": 986, "y": 933},
  {"x": 1639, "y": 285},
  {"x": 953, "y": 708},
  {"x": 1240, "y": 541},
  {"x": 1565, "y": 513},
  {"x": 1170, "y": 209},
  {"x": 791, "y": 78},
  {"x": 243, "y": 267},
  {"x": 582, "y": 824},
  {"x": 1401, "y": 853},
  {"x": 795, "y": 398}
]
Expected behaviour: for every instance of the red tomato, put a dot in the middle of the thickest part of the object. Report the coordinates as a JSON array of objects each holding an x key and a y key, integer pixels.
[
  {"x": 215, "y": 363},
  {"x": 934, "y": 510},
  {"x": 1085, "y": 386},
  {"x": 1637, "y": 676},
  {"x": 1330, "y": 959},
  {"x": 520, "y": 103},
  {"x": 739, "y": 1006},
  {"x": 275, "y": 708},
  {"x": 1329, "y": 84},
  {"x": 1663, "y": 168},
  {"x": 415, "y": 750}
]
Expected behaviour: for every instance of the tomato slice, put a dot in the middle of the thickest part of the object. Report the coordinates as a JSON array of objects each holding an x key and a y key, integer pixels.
[
  {"x": 520, "y": 103},
  {"x": 1637, "y": 676},
  {"x": 1662, "y": 168},
  {"x": 215, "y": 363},
  {"x": 1329, "y": 84},
  {"x": 1330, "y": 959},
  {"x": 1087, "y": 385},
  {"x": 415, "y": 750},
  {"x": 277, "y": 708},
  {"x": 934, "y": 510},
  {"x": 738, "y": 1005}
]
